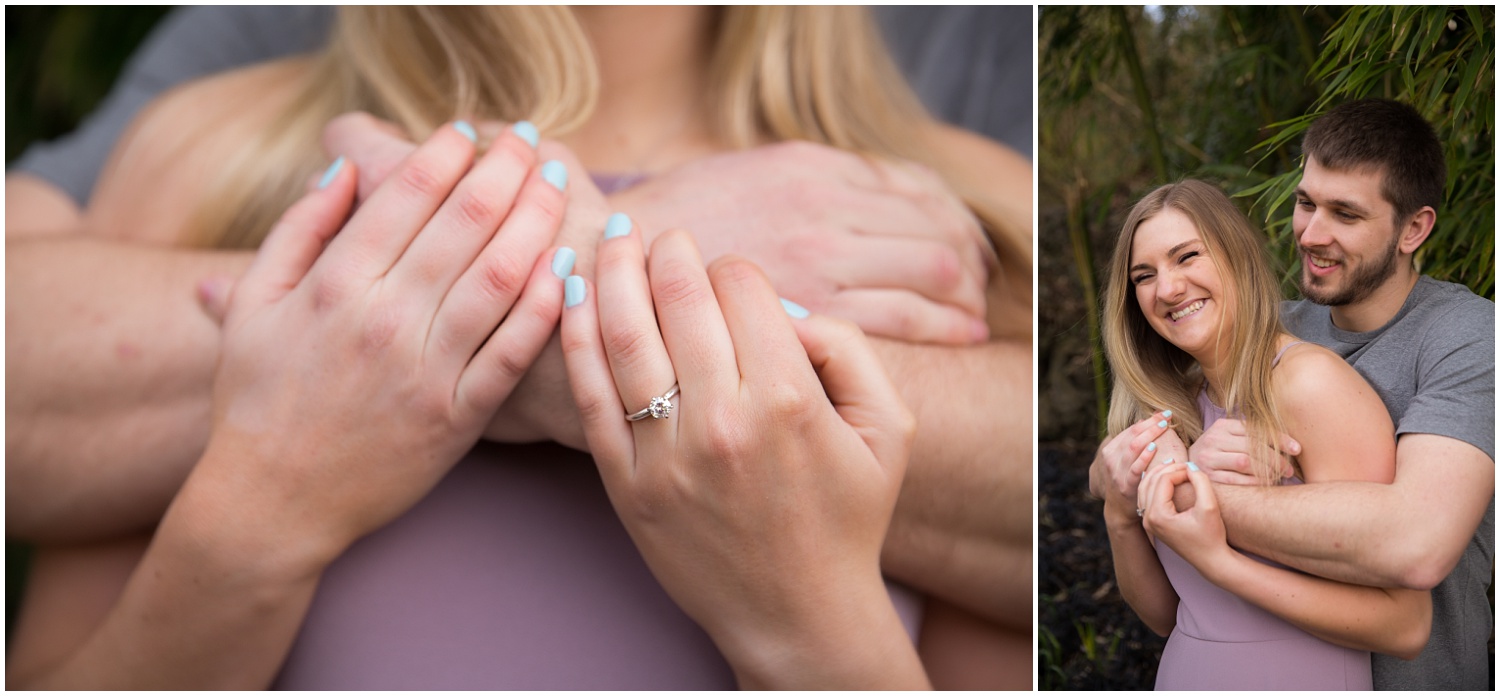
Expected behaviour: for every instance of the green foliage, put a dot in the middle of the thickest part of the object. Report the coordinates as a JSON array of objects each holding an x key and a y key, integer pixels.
[
  {"x": 60, "y": 61},
  {"x": 1441, "y": 61},
  {"x": 1049, "y": 660}
]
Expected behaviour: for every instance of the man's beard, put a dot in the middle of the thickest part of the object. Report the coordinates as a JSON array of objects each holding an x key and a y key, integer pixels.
[{"x": 1362, "y": 280}]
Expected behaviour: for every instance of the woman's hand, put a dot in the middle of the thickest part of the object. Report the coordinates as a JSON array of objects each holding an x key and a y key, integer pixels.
[
  {"x": 1196, "y": 533},
  {"x": 761, "y": 503},
  {"x": 1115, "y": 474},
  {"x": 354, "y": 376}
]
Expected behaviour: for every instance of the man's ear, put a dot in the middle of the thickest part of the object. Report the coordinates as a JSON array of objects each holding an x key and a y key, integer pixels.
[{"x": 1416, "y": 229}]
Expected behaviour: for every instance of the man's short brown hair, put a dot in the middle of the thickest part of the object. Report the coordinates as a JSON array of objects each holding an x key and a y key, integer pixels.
[{"x": 1385, "y": 135}]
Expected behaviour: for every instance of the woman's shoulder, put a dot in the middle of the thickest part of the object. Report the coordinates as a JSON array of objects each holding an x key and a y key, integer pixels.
[
  {"x": 1004, "y": 173},
  {"x": 1309, "y": 376},
  {"x": 1308, "y": 367},
  {"x": 974, "y": 153},
  {"x": 179, "y": 142},
  {"x": 1343, "y": 426}
]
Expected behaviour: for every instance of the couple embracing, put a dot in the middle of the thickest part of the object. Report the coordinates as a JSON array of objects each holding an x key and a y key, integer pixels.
[{"x": 1304, "y": 498}]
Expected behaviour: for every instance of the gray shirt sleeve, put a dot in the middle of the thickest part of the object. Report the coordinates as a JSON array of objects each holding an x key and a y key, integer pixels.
[
  {"x": 1457, "y": 374},
  {"x": 971, "y": 66},
  {"x": 191, "y": 42}
]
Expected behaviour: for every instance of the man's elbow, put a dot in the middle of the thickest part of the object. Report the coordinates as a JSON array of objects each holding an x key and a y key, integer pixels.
[{"x": 1423, "y": 565}]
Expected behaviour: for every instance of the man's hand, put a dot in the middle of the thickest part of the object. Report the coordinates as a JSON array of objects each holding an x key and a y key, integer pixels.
[
  {"x": 885, "y": 245},
  {"x": 1223, "y": 453}
]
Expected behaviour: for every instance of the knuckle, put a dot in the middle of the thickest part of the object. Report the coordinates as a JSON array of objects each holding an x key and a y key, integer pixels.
[
  {"x": 477, "y": 211},
  {"x": 593, "y": 407},
  {"x": 629, "y": 344},
  {"x": 945, "y": 268},
  {"x": 547, "y": 204},
  {"x": 510, "y": 366},
  {"x": 500, "y": 276},
  {"x": 727, "y": 441},
  {"x": 379, "y": 329},
  {"x": 328, "y": 291},
  {"x": 673, "y": 286},
  {"x": 733, "y": 272},
  {"x": 789, "y": 403},
  {"x": 420, "y": 181}
]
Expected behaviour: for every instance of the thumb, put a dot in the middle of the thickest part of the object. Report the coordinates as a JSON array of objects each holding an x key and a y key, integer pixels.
[
  {"x": 1203, "y": 490},
  {"x": 376, "y": 147},
  {"x": 857, "y": 384},
  {"x": 213, "y": 297}
]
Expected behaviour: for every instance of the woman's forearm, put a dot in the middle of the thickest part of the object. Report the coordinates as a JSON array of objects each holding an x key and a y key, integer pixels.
[
  {"x": 962, "y": 527},
  {"x": 215, "y": 603},
  {"x": 857, "y": 642},
  {"x": 1138, "y": 571},
  {"x": 1389, "y": 621}
]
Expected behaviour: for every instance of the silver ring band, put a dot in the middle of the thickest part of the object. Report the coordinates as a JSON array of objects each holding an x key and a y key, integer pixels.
[{"x": 660, "y": 407}]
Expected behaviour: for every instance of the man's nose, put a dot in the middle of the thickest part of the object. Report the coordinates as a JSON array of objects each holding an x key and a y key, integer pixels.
[{"x": 1315, "y": 232}]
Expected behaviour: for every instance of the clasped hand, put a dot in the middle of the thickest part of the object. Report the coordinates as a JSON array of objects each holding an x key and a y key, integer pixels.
[
  {"x": 761, "y": 503},
  {"x": 360, "y": 363},
  {"x": 354, "y": 376}
]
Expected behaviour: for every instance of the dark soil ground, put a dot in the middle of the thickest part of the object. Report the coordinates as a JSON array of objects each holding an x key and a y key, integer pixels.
[{"x": 1089, "y": 639}]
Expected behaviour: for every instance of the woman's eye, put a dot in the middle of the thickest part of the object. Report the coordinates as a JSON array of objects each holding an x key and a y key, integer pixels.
[
  {"x": 1304, "y": 203},
  {"x": 1140, "y": 279},
  {"x": 1187, "y": 256}
]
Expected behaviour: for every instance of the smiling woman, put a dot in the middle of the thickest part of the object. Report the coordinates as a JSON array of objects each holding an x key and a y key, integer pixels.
[{"x": 1174, "y": 248}]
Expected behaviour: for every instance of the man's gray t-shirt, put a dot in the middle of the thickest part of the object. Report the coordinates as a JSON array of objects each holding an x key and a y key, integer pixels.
[{"x": 1434, "y": 367}]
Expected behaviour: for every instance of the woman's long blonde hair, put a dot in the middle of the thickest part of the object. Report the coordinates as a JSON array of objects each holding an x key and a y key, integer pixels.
[
  {"x": 777, "y": 73},
  {"x": 1151, "y": 374}
]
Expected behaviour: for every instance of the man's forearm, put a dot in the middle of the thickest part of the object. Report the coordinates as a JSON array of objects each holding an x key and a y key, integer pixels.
[
  {"x": 1409, "y": 533},
  {"x": 109, "y": 368},
  {"x": 962, "y": 528}
]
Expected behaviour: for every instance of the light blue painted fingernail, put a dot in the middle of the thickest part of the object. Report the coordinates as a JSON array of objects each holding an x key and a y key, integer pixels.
[
  {"x": 333, "y": 171},
  {"x": 573, "y": 291},
  {"x": 525, "y": 131},
  {"x": 797, "y": 311},
  {"x": 556, "y": 173},
  {"x": 1170, "y": 460},
  {"x": 1151, "y": 447},
  {"x": 1166, "y": 414},
  {"x": 562, "y": 262},
  {"x": 1192, "y": 466},
  {"x": 1161, "y": 424},
  {"x": 618, "y": 226},
  {"x": 467, "y": 130}
]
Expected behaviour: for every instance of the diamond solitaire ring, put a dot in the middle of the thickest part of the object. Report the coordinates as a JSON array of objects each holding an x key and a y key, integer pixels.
[{"x": 660, "y": 407}]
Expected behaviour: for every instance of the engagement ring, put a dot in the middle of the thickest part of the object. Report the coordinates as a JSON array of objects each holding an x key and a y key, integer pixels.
[{"x": 660, "y": 407}]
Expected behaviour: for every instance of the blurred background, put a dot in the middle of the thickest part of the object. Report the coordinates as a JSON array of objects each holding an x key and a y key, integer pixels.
[
  {"x": 60, "y": 61},
  {"x": 1134, "y": 97}
]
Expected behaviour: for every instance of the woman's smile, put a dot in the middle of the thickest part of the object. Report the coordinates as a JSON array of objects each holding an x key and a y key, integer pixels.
[{"x": 1191, "y": 309}]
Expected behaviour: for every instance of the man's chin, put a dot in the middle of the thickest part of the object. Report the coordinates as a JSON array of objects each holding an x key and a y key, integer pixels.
[{"x": 1321, "y": 293}]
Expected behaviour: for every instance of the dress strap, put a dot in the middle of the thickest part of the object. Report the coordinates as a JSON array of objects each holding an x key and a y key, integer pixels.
[{"x": 1283, "y": 351}]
